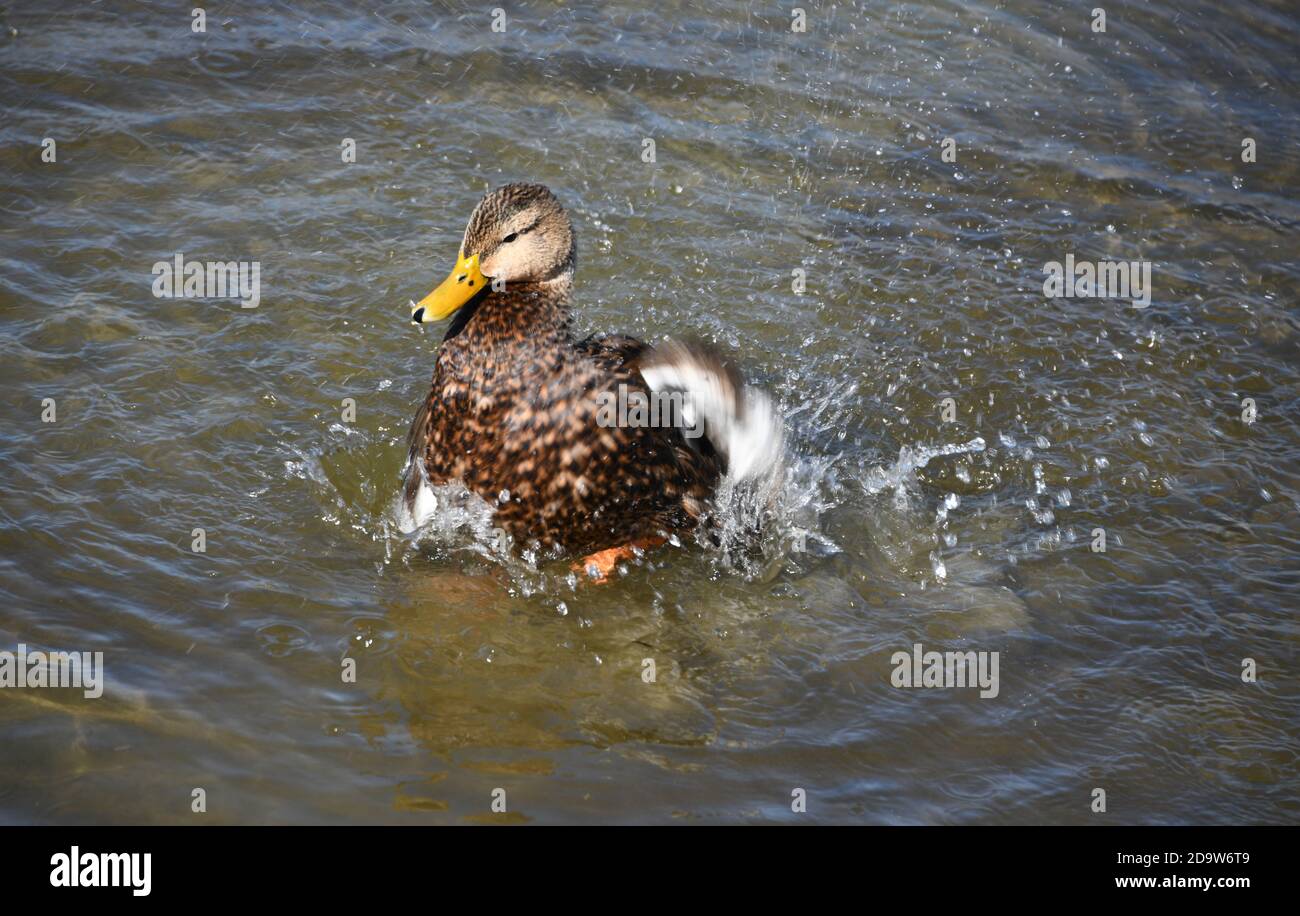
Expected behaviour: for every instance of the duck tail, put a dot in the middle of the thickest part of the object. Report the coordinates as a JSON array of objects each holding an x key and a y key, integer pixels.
[{"x": 738, "y": 420}]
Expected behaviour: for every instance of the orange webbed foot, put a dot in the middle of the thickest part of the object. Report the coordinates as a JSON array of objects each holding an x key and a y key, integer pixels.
[{"x": 599, "y": 566}]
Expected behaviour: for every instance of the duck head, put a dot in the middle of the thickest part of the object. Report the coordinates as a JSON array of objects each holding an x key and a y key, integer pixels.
[{"x": 518, "y": 237}]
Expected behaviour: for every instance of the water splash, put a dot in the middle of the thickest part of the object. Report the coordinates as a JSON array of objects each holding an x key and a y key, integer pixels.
[
  {"x": 900, "y": 477},
  {"x": 754, "y": 528}
]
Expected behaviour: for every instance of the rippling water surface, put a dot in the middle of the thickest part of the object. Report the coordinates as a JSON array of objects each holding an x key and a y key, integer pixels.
[{"x": 775, "y": 150}]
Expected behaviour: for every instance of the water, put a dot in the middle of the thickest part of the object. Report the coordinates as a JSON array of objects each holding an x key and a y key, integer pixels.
[{"x": 774, "y": 150}]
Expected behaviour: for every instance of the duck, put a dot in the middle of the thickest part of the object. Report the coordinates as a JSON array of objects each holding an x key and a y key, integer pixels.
[{"x": 552, "y": 430}]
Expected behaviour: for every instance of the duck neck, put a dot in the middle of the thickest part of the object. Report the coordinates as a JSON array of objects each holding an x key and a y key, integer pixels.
[{"x": 521, "y": 316}]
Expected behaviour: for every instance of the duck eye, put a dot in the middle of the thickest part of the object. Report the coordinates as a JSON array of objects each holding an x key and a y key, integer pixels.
[{"x": 510, "y": 238}]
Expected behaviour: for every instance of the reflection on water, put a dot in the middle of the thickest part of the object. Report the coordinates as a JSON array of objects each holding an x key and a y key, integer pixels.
[{"x": 711, "y": 679}]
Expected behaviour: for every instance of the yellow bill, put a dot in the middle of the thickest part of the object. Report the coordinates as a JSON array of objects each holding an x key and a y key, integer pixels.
[{"x": 462, "y": 284}]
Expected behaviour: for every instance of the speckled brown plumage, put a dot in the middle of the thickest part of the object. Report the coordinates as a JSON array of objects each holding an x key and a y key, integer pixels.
[{"x": 514, "y": 401}]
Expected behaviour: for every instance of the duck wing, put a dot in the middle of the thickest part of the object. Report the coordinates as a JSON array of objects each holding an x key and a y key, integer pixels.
[{"x": 612, "y": 352}]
